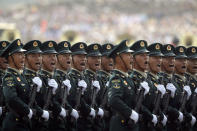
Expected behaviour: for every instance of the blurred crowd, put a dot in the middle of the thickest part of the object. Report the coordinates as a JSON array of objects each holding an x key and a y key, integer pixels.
[{"x": 106, "y": 25}]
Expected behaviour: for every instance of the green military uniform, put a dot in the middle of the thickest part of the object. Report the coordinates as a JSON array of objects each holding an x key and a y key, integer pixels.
[
  {"x": 102, "y": 97},
  {"x": 55, "y": 122},
  {"x": 137, "y": 76},
  {"x": 60, "y": 75},
  {"x": 76, "y": 91},
  {"x": 121, "y": 95},
  {"x": 179, "y": 82},
  {"x": 3, "y": 45},
  {"x": 32, "y": 47},
  {"x": 16, "y": 92},
  {"x": 191, "y": 53}
]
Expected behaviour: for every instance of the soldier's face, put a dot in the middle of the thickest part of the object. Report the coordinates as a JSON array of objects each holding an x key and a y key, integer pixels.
[
  {"x": 33, "y": 61},
  {"x": 155, "y": 64},
  {"x": 17, "y": 60},
  {"x": 79, "y": 62},
  {"x": 180, "y": 66},
  {"x": 127, "y": 60},
  {"x": 107, "y": 63},
  {"x": 141, "y": 61},
  {"x": 3, "y": 63},
  {"x": 192, "y": 66},
  {"x": 168, "y": 64},
  {"x": 64, "y": 60},
  {"x": 49, "y": 62},
  {"x": 94, "y": 62}
]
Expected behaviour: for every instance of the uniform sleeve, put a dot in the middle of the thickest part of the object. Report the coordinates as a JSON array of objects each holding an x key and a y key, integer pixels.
[
  {"x": 11, "y": 97},
  {"x": 115, "y": 94}
]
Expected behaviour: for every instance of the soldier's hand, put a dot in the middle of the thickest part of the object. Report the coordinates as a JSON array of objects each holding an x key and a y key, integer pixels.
[
  {"x": 38, "y": 82},
  {"x": 45, "y": 115},
  {"x": 96, "y": 85},
  {"x": 82, "y": 84},
  {"x": 1, "y": 111},
  {"x": 164, "y": 121},
  {"x": 195, "y": 90},
  {"x": 180, "y": 118},
  {"x": 188, "y": 90},
  {"x": 161, "y": 89},
  {"x": 154, "y": 120},
  {"x": 74, "y": 114},
  {"x": 193, "y": 121},
  {"x": 171, "y": 88},
  {"x": 63, "y": 112},
  {"x": 67, "y": 84},
  {"x": 100, "y": 112},
  {"x": 134, "y": 116},
  {"x": 92, "y": 113},
  {"x": 145, "y": 86},
  {"x": 30, "y": 114},
  {"x": 52, "y": 83}
]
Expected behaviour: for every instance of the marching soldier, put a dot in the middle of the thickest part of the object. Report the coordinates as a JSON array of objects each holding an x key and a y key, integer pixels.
[
  {"x": 16, "y": 90},
  {"x": 122, "y": 94},
  {"x": 191, "y": 53},
  {"x": 63, "y": 65},
  {"x": 183, "y": 91},
  {"x": 93, "y": 85},
  {"x": 52, "y": 98},
  {"x": 139, "y": 77},
  {"x": 103, "y": 76},
  {"x": 157, "y": 89},
  {"x": 3, "y": 67},
  {"x": 33, "y": 61},
  {"x": 78, "y": 87}
]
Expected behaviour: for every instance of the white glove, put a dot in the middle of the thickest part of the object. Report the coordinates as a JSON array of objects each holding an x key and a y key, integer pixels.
[
  {"x": 100, "y": 112},
  {"x": 92, "y": 113},
  {"x": 67, "y": 84},
  {"x": 195, "y": 90},
  {"x": 53, "y": 84},
  {"x": 30, "y": 114},
  {"x": 75, "y": 114},
  {"x": 154, "y": 120},
  {"x": 82, "y": 84},
  {"x": 107, "y": 84},
  {"x": 162, "y": 89},
  {"x": 193, "y": 121},
  {"x": 134, "y": 116},
  {"x": 1, "y": 110},
  {"x": 188, "y": 90},
  {"x": 38, "y": 82},
  {"x": 63, "y": 113},
  {"x": 180, "y": 116},
  {"x": 171, "y": 88},
  {"x": 145, "y": 86},
  {"x": 164, "y": 121},
  {"x": 45, "y": 115},
  {"x": 96, "y": 85}
]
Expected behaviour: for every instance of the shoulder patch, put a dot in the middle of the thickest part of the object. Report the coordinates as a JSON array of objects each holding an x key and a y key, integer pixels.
[{"x": 115, "y": 81}]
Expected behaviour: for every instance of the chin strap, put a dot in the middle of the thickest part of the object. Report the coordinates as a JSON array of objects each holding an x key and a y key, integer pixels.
[
  {"x": 13, "y": 61},
  {"x": 123, "y": 61}
]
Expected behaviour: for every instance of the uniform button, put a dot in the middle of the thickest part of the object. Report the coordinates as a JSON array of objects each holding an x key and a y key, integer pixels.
[
  {"x": 24, "y": 90},
  {"x": 122, "y": 121},
  {"x": 16, "y": 119}
]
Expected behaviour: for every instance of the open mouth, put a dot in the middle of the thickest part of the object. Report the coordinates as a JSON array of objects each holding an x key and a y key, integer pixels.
[
  {"x": 171, "y": 65},
  {"x": 195, "y": 67},
  {"x": 110, "y": 64},
  {"x": 38, "y": 64},
  {"x": 52, "y": 63},
  {"x": 96, "y": 64},
  {"x": 158, "y": 65},
  {"x": 68, "y": 62},
  {"x": 82, "y": 64},
  {"x": 146, "y": 62},
  {"x": 183, "y": 67}
]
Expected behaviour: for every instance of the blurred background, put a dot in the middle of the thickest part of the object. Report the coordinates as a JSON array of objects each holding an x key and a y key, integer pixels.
[{"x": 165, "y": 21}]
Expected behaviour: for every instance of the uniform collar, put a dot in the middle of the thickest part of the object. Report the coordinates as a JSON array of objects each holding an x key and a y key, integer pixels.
[
  {"x": 47, "y": 72},
  {"x": 61, "y": 71},
  {"x": 104, "y": 72},
  {"x": 153, "y": 75},
  {"x": 121, "y": 72},
  {"x": 193, "y": 76},
  {"x": 15, "y": 70},
  {"x": 3, "y": 71},
  {"x": 140, "y": 72},
  {"x": 180, "y": 76}
]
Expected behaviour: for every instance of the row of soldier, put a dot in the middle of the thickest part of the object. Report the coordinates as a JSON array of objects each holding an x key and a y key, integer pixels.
[{"x": 49, "y": 86}]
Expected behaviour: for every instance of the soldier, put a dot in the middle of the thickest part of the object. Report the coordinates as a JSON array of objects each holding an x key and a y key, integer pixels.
[
  {"x": 93, "y": 85},
  {"x": 63, "y": 65},
  {"x": 165, "y": 76},
  {"x": 33, "y": 61},
  {"x": 78, "y": 84},
  {"x": 183, "y": 91},
  {"x": 140, "y": 58},
  {"x": 16, "y": 90},
  {"x": 3, "y": 67},
  {"x": 103, "y": 76},
  {"x": 52, "y": 99},
  {"x": 191, "y": 53},
  {"x": 121, "y": 94},
  {"x": 157, "y": 89}
]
